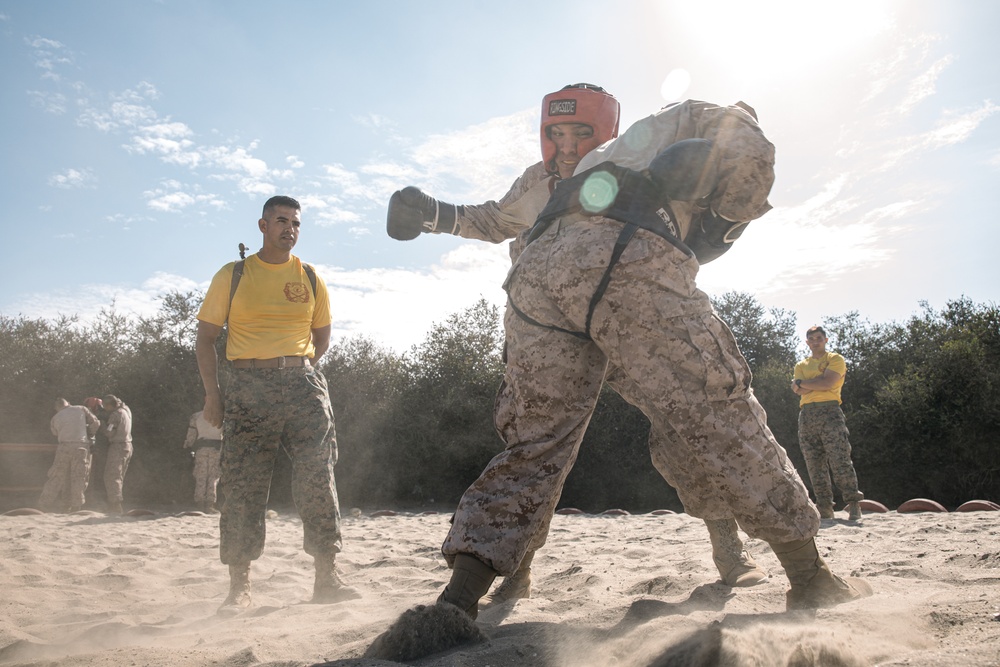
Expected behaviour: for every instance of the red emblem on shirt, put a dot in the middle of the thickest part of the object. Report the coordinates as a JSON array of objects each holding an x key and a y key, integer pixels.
[{"x": 296, "y": 293}]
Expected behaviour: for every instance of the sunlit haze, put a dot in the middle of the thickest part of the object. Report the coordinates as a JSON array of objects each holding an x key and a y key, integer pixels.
[{"x": 142, "y": 137}]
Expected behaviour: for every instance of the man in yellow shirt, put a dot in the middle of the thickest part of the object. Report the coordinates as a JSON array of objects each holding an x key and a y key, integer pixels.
[
  {"x": 278, "y": 316},
  {"x": 823, "y": 434}
]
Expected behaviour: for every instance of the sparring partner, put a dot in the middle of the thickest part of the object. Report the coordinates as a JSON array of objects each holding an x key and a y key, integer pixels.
[
  {"x": 574, "y": 121},
  {"x": 607, "y": 279}
]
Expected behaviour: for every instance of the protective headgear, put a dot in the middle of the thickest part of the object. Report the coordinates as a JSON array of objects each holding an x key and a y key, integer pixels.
[
  {"x": 93, "y": 403},
  {"x": 579, "y": 103}
]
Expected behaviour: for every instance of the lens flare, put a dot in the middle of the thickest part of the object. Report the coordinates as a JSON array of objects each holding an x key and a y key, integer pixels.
[{"x": 598, "y": 192}]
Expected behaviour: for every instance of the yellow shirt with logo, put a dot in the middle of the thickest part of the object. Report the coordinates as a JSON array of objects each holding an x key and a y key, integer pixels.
[
  {"x": 810, "y": 368},
  {"x": 273, "y": 312}
]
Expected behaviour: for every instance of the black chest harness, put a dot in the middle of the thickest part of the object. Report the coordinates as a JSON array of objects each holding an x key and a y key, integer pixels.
[{"x": 637, "y": 203}]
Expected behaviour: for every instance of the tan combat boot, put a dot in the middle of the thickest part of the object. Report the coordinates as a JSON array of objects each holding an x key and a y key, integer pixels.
[
  {"x": 826, "y": 510},
  {"x": 518, "y": 585},
  {"x": 115, "y": 507},
  {"x": 328, "y": 588},
  {"x": 239, "y": 588},
  {"x": 813, "y": 585},
  {"x": 854, "y": 510},
  {"x": 736, "y": 566},
  {"x": 471, "y": 578}
]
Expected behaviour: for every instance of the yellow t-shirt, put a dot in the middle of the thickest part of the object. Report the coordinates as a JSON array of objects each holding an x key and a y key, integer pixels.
[
  {"x": 810, "y": 368},
  {"x": 273, "y": 312}
]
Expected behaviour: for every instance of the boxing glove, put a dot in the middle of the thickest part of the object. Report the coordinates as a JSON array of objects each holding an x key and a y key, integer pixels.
[
  {"x": 412, "y": 212},
  {"x": 685, "y": 171}
]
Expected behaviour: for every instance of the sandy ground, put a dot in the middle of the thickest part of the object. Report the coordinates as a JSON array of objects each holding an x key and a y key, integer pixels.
[{"x": 88, "y": 590}]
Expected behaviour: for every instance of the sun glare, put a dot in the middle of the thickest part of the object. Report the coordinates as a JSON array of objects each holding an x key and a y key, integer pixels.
[{"x": 779, "y": 37}]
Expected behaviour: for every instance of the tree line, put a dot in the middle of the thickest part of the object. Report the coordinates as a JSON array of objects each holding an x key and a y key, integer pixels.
[{"x": 415, "y": 429}]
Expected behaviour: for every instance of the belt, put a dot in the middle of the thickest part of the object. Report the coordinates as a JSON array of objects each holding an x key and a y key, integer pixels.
[
  {"x": 820, "y": 404},
  {"x": 277, "y": 362}
]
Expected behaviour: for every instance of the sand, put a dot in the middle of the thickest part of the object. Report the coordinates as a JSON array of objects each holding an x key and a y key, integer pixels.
[{"x": 640, "y": 590}]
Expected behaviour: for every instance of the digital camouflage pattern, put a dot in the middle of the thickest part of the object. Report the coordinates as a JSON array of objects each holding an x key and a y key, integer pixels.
[
  {"x": 681, "y": 367},
  {"x": 826, "y": 448},
  {"x": 267, "y": 409}
]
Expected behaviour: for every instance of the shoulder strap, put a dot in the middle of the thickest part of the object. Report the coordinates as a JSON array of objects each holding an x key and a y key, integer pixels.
[
  {"x": 237, "y": 275},
  {"x": 311, "y": 272}
]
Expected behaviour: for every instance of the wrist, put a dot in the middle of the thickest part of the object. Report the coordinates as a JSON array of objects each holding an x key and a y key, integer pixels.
[{"x": 798, "y": 383}]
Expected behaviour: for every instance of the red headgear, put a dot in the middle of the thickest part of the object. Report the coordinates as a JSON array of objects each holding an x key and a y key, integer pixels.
[
  {"x": 579, "y": 103},
  {"x": 93, "y": 404}
]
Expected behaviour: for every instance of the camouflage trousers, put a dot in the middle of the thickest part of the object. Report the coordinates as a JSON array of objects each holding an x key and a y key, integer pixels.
[
  {"x": 206, "y": 474},
  {"x": 682, "y": 369},
  {"x": 825, "y": 444},
  {"x": 119, "y": 454},
  {"x": 67, "y": 478},
  {"x": 268, "y": 409}
]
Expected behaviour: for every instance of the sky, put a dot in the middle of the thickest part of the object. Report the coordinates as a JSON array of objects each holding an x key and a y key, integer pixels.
[{"x": 140, "y": 139}]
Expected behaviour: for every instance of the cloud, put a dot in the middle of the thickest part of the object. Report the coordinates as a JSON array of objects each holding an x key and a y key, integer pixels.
[{"x": 72, "y": 179}]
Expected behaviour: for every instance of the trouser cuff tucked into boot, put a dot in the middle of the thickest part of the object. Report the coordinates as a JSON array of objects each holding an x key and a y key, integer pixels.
[
  {"x": 471, "y": 578},
  {"x": 736, "y": 567},
  {"x": 813, "y": 585},
  {"x": 329, "y": 588},
  {"x": 518, "y": 585}
]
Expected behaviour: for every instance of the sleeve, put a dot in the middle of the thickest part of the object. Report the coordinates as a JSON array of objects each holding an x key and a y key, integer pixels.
[
  {"x": 498, "y": 221},
  {"x": 321, "y": 313},
  {"x": 93, "y": 423},
  {"x": 798, "y": 373},
  {"x": 215, "y": 307},
  {"x": 746, "y": 162},
  {"x": 838, "y": 365}
]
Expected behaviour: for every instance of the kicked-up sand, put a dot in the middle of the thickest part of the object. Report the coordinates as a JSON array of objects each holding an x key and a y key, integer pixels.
[{"x": 86, "y": 589}]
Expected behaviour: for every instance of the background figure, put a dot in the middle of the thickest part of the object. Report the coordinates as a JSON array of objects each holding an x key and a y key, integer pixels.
[
  {"x": 823, "y": 434},
  {"x": 278, "y": 314},
  {"x": 205, "y": 441},
  {"x": 118, "y": 429},
  {"x": 96, "y": 493},
  {"x": 74, "y": 426}
]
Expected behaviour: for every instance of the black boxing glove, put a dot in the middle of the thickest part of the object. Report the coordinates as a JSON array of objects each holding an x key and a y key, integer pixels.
[
  {"x": 412, "y": 212},
  {"x": 686, "y": 170}
]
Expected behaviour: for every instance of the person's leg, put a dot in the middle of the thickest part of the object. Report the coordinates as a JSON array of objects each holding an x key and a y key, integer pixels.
[
  {"x": 551, "y": 385},
  {"x": 212, "y": 473},
  {"x": 56, "y": 481},
  {"x": 311, "y": 442},
  {"x": 200, "y": 474},
  {"x": 817, "y": 462},
  {"x": 252, "y": 432},
  {"x": 119, "y": 454},
  {"x": 837, "y": 444},
  {"x": 79, "y": 476}
]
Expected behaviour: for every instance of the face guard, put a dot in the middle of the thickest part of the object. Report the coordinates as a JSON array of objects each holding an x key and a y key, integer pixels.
[{"x": 579, "y": 103}]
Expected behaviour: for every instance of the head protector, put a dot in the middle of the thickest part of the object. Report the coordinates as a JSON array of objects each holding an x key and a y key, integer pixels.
[
  {"x": 93, "y": 403},
  {"x": 579, "y": 103}
]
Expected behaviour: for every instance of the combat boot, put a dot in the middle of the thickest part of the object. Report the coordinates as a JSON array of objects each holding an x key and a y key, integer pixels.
[
  {"x": 735, "y": 564},
  {"x": 471, "y": 578},
  {"x": 813, "y": 585},
  {"x": 854, "y": 510},
  {"x": 329, "y": 588},
  {"x": 239, "y": 587},
  {"x": 518, "y": 585},
  {"x": 209, "y": 508},
  {"x": 115, "y": 507},
  {"x": 825, "y": 510}
]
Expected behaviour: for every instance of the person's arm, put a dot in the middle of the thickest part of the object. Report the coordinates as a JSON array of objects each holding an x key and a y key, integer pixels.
[
  {"x": 93, "y": 423},
  {"x": 208, "y": 367},
  {"x": 828, "y": 380},
  {"x": 321, "y": 342}
]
